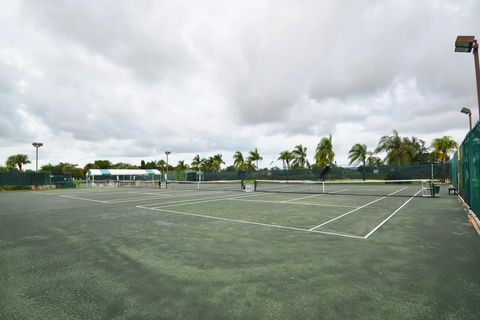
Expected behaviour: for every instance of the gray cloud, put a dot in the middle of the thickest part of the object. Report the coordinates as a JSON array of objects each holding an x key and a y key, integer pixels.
[{"x": 128, "y": 80}]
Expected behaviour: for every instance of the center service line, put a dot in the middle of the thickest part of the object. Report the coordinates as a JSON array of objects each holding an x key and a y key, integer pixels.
[{"x": 346, "y": 213}]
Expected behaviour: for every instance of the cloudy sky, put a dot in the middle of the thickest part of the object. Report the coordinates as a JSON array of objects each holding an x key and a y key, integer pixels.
[{"x": 127, "y": 80}]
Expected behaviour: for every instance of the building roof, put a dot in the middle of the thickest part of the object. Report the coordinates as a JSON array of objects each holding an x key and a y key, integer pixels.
[{"x": 122, "y": 172}]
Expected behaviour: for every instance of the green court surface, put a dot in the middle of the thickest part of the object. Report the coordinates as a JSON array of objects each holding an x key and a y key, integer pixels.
[{"x": 189, "y": 254}]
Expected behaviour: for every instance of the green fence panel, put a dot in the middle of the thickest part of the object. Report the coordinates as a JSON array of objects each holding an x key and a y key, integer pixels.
[
  {"x": 24, "y": 178},
  {"x": 468, "y": 169},
  {"x": 62, "y": 181},
  {"x": 454, "y": 171},
  {"x": 383, "y": 172},
  {"x": 474, "y": 162}
]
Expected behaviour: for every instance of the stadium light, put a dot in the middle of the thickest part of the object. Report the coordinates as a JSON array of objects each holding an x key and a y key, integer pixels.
[
  {"x": 469, "y": 112},
  {"x": 36, "y": 145},
  {"x": 167, "y": 153},
  {"x": 470, "y": 44}
]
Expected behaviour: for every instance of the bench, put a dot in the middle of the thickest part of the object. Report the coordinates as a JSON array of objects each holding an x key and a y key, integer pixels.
[{"x": 452, "y": 188}]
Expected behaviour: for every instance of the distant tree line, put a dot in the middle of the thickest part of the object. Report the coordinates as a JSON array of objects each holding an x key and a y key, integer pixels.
[{"x": 398, "y": 151}]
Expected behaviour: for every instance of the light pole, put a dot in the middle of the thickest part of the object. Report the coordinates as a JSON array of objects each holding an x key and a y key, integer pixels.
[
  {"x": 467, "y": 44},
  {"x": 36, "y": 145},
  {"x": 166, "y": 175},
  {"x": 469, "y": 112}
]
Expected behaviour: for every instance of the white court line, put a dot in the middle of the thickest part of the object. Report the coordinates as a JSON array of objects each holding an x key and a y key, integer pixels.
[
  {"x": 388, "y": 218},
  {"x": 306, "y": 197},
  {"x": 148, "y": 193},
  {"x": 319, "y": 194},
  {"x": 194, "y": 201},
  {"x": 186, "y": 202},
  {"x": 115, "y": 201},
  {"x": 57, "y": 192},
  {"x": 253, "y": 223},
  {"x": 141, "y": 198},
  {"x": 292, "y": 203},
  {"x": 361, "y": 207},
  {"x": 78, "y": 198},
  {"x": 144, "y": 199}
]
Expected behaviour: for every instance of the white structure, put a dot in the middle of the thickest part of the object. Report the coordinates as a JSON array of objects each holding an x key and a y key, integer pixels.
[{"x": 107, "y": 176}]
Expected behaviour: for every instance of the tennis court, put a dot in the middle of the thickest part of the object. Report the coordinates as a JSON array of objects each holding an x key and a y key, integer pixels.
[{"x": 211, "y": 251}]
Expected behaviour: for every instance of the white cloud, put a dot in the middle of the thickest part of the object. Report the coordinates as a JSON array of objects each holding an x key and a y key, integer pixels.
[{"x": 127, "y": 80}]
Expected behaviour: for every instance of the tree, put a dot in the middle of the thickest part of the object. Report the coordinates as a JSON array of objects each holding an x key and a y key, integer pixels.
[
  {"x": 230, "y": 168},
  {"x": 358, "y": 154},
  {"x": 442, "y": 148},
  {"x": 196, "y": 162},
  {"x": 324, "y": 154},
  {"x": 181, "y": 166},
  {"x": 403, "y": 150},
  {"x": 254, "y": 156},
  {"x": 161, "y": 165},
  {"x": 373, "y": 161},
  {"x": 416, "y": 149},
  {"x": 204, "y": 165},
  {"x": 17, "y": 160},
  {"x": 238, "y": 160},
  {"x": 63, "y": 168},
  {"x": 399, "y": 151},
  {"x": 123, "y": 165},
  {"x": 248, "y": 166},
  {"x": 286, "y": 156},
  {"x": 300, "y": 156},
  {"x": 142, "y": 164},
  {"x": 150, "y": 165},
  {"x": 217, "y": 162},
  {"x": 102, "y": 164}
]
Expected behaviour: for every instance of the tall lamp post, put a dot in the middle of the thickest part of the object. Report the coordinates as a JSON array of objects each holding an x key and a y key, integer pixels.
[
  {"x": 36, "y": 145},
  {"x": 166, "y": 175},
  {"x": 469, "y": 44},
  {"x": 469, "y": 112}
]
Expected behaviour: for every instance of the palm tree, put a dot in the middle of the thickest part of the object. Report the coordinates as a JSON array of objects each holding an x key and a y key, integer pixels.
[
  {"x": 181, "y": 166},
  {"x": 324, "y": 154},
  {"x": 254, "y": 156},
  {"x": 161, "y": 164},
  {"x": 286, "y": 156},
  {"x": 213, "y": 164},
  {"x": 218, "y": 161},
  {"x": 204, "y": 165},
  {"x": 374, "y": 161},
  {"x": 358, "y": 154},
  {"x": 238, "y": 160},
  {"x": 196, "y": 162},
  {"x": 247, "y": 166},
  {"x": 300, "y": 156},
  {"x": 442, "y": 147},
  {"x": 399, "y": 151},
  {"x": 17, "y": 160}
]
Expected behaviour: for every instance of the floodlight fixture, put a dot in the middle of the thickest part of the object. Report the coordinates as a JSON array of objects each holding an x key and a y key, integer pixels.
[
  {"x": 464, "y": 43},
  {"x": 36, "y": 145},
  {"x": 469, "y": 113},
  {"x": 166, "y": 175},
  {"x": 470, "y": 44}
]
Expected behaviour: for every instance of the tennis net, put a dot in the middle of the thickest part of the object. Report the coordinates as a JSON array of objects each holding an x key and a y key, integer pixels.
[
  {"x": 226, "y": 185},
  {"x": 152, "y": 184},
  {"x": 398, "y": 188}
]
